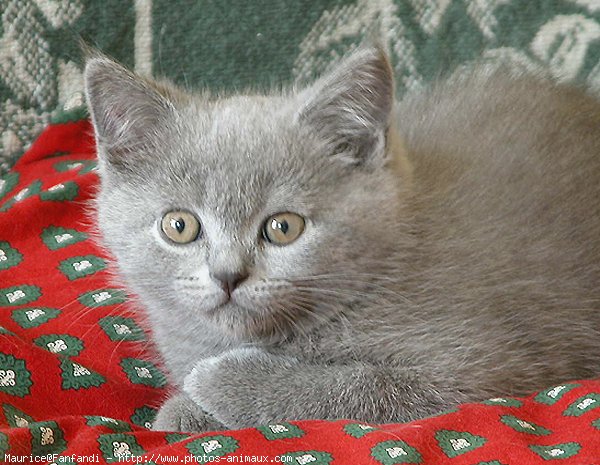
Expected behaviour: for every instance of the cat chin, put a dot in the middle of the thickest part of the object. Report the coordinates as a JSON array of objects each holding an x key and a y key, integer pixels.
[{"x": 247, "y": 329}]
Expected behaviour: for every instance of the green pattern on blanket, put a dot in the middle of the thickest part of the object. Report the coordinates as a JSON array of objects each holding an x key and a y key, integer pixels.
[{"x": 239, "y": 44}]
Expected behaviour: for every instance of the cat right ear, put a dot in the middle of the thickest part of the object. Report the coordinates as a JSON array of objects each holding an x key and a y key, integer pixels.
[{"x": 125, "y": 108}]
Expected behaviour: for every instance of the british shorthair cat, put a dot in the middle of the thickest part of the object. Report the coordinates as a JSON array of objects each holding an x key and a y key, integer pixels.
[{"x": 333, "y": 253}]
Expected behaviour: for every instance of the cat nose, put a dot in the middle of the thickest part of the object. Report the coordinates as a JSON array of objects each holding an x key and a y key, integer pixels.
[{"x": 229, "y": 280}]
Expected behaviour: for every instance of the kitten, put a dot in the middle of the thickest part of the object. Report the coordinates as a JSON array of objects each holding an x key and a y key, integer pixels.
[{"x": 329, "y": 253}]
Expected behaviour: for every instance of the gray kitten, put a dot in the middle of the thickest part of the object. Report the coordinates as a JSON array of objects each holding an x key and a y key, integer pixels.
[{"x": 329, "y": 253}]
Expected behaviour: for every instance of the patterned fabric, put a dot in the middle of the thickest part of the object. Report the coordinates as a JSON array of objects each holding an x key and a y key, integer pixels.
[
  {"x": 79, "y": 382},
  {"x": 237, "y": 44}
]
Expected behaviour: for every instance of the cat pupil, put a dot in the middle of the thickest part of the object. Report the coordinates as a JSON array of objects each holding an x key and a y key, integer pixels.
[
  {"x": 178, "y": 224},
  {"x": 283, "y": 226}
]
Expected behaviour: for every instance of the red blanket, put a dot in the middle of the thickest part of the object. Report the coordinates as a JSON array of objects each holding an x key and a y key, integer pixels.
[{"x": 79, "y": 382}]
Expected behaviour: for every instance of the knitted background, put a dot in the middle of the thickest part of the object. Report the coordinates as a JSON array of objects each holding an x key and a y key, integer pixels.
[{"x": 237, "y": 43}]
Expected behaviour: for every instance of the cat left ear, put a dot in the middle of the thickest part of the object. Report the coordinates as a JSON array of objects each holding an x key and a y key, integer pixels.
[
  {"x": 125, "y": 109},
  {"x": 351, "y": 107}
]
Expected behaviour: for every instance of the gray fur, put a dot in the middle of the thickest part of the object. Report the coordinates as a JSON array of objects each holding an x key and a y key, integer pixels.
[{"x": 450, "y": 254}]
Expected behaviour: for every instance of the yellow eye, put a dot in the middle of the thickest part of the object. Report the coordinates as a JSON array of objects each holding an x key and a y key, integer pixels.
[
  {"x": 283, "y": 228},
  {"x": 180, "y": 226}
]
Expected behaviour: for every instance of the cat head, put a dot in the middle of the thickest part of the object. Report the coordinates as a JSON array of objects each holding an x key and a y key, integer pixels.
[{"x": 257, "y": 214}]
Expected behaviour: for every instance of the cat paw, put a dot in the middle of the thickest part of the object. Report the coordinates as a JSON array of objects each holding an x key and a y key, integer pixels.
[
  {"x": 212, "y": 365},
  {"x": 219, "y": 385},
  {"x": 180, "y": 413}
]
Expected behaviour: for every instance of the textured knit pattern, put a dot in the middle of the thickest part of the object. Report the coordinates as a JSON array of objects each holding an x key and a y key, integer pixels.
[
  {"x": 79, "y": 382},
  {"x": 264, "y": 43}
]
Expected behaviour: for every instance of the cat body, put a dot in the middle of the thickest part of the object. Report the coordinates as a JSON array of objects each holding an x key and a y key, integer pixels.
[{"x": 450, "y": 247}]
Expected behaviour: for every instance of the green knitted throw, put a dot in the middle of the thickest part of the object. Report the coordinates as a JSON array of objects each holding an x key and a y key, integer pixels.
[{"x": 237, "y": 44}]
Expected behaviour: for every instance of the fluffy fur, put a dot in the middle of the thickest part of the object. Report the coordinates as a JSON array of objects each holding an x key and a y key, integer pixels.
[{"x": 451, "y": 247}]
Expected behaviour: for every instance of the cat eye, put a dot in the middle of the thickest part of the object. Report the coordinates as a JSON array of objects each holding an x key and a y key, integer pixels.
[
  {"x": 283, "y": 228},
  {"x": 180, "y": 226}
]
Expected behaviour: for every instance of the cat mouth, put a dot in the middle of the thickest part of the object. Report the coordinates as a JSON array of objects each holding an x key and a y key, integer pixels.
[{"x": 228, "y": 303}]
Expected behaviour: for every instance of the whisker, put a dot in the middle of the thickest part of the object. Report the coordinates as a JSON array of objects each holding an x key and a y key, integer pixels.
[{"x": 379, "y": 287}]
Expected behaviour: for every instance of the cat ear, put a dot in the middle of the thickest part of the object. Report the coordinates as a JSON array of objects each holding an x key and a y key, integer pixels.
[
  {"x": 125, "y": 109},
  {"x": 351, "y": 107}
]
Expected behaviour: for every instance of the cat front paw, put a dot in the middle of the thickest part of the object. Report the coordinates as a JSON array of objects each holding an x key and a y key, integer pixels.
[
  {"x": 180, "y": 413},
  {"x": 224, "y": 386}
]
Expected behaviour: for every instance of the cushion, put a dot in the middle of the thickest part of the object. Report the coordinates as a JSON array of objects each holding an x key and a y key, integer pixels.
[{"x": 80, "y": 381}]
